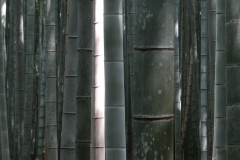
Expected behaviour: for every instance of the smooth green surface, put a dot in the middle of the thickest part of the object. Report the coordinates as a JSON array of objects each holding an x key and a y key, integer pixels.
[
  {"x": 114, "y": 84},
  {"x": 232, "y": 43},
  {"x": 153, "y": 83},
  {"x": 116, "y": 154},
  {"x": 232, "y": 10},
  {"x": 233, "y": 85},
  {"x": 233, "y": 125},
  {"x": 154, "y": 23},
  {"x": 114, "y": 124}
]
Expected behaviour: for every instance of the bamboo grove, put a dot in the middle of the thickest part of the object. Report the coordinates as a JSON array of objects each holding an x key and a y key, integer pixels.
[{"x": 120, "y": 80}]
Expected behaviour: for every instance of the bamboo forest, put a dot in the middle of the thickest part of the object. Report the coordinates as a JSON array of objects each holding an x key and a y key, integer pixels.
[{"x": 120, "y": 80}]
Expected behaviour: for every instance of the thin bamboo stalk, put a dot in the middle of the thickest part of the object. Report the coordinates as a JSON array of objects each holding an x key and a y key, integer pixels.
[
  {"x": 29, "y": 79},
  {"x": 10, "y": 80},
  {"x": 220, "y": 127},
  {"x": 51, "y": 82},
  {"x": 3, "y": 106},
  {"x": 204, "y": 80},
  {"x": 16, "y": 104},
  {"x": 212, "y": 48},
  {"x": 68, "y": 134},
  {"x": 21, "y": 75},
  {"x": 177, "y": 82},
  {"x": 41, "y": 93}
]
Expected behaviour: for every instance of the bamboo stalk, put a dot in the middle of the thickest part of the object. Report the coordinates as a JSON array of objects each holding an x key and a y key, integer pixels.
[
  {"x": 98, "y": 88},
  {"x": 177, "y": 81},
  {"x": 29, "y": 78},
  {"x": 129, "y": 23},
  {"x": 51, "y": 83},
  {"x": 153, "y": 80},
  {"x": 232, "y": 78},
  {"x": 68, "y": 134},
  {"x": 10, "y": 80},
  {"x": 84, "y": 79},
  {"x": 204, "y": 80},
  {"x": 3, "y": 106},
  {"x": 114, "y": 81},
  {"x": 212, "y": 44},
  {"x": 21, "y": 75}
]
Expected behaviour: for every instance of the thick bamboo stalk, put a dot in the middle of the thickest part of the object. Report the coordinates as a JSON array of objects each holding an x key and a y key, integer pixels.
[
  {"x": 84, "y": 79},
  {"x": 153, "y": 80},
  {"x": 98, "y": 87}
]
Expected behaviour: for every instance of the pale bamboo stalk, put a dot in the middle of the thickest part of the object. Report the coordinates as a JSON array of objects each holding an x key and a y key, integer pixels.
[{"x": 98, "y": 87}]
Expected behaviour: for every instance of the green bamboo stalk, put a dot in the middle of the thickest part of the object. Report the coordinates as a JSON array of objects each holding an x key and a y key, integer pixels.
[
  {"x": 61, "y": 62},
  {"x": 98, "y": 88},
  {"x": 29, "y": 79},
  {"x": 232, "y": 77},
  {"x": 220, "y": 127},
  {"x": 212, "y": 48},
  {"x": 193, "y": 53},
  {"x": 209, "y": 86},
  {"x": 129, "y": 23},
  {"x": 10, "y": 81},
  {"x": 84, "y": 79},
  {"x": 177, "y": 82},
  {"x": 204, "y": 80},
  {"x": 21, "y": 75},
  {"x": 42, "y": 81},
  {"x": 185, "y": 59},
  {"x": 69, "y": 107},
  {"x": 3, "y": 106},
  {"x": 153, "y": 81},
  {"x": 114, "y": 81},
  {"x": 60, "y": 69},
  {"x": 16, "y": 104},
  {"x": 51, "y": 83}
]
